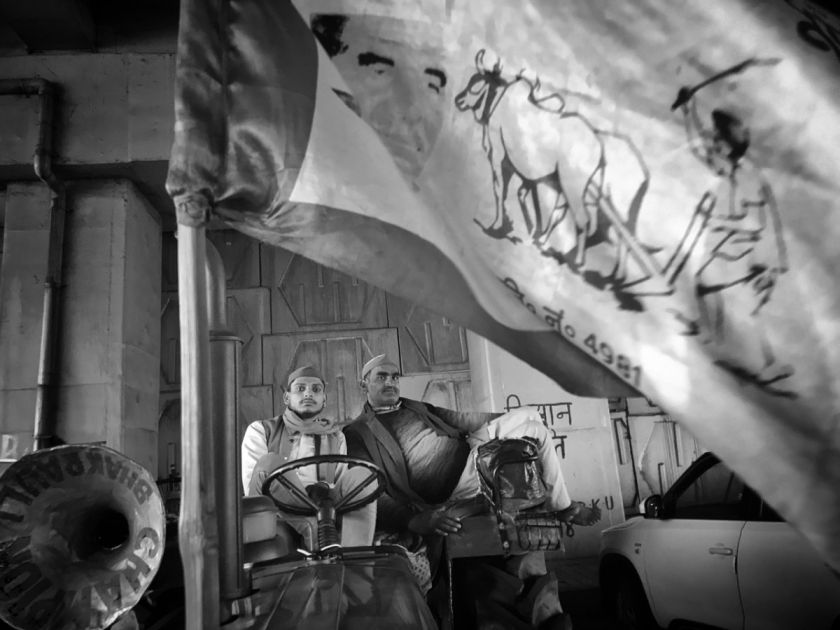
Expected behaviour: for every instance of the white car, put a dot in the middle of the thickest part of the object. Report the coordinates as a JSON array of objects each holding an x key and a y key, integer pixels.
[{"x": 711, "y": 553}]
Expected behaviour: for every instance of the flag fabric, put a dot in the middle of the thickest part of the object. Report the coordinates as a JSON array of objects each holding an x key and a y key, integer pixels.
[{"x": 628, "y": 196}]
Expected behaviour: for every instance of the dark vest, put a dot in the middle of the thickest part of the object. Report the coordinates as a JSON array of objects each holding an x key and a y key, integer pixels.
[
  {"x": 279, "y": 440},
  {"x": 385, "y": 450}
]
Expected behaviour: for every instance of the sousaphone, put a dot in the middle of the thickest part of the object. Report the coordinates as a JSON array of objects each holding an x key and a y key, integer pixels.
[{"x": 81, "y": 537}]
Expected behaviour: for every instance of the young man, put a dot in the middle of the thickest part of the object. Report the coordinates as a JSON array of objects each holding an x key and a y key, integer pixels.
[
  {"x": 304, "y": 431},
  {"x": 427, "y": 454}
]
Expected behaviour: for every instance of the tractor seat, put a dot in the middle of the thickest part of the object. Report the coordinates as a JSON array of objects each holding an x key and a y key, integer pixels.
[{"x": 263, "y": 537}]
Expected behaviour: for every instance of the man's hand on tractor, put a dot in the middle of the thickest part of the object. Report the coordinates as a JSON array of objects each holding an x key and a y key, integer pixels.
[
  {"x": 435, "y": 521},
  {"x": 579, "y": 514}
]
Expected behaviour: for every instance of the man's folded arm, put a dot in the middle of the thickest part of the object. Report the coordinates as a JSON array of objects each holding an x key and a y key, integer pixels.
[
  {"x": 265, "y": 465},
  {"x": 392, "y": 515}
]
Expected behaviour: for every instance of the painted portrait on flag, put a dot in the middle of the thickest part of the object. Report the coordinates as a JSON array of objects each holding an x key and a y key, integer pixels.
[
  {"x": 598, "y": 187},
  {"x": 398, "y": 86}
]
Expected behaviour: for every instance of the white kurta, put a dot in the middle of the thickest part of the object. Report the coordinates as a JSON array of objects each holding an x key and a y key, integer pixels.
[
  {"x": 255, "y": 445},
  {"x": 357, "y": 527}
]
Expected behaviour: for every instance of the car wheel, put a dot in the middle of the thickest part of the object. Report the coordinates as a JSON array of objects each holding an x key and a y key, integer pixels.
[{"x": 629, "y": 603}]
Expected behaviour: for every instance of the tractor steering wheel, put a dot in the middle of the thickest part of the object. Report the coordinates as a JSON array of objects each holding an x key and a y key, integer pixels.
[{"x": 310, "y": 507}]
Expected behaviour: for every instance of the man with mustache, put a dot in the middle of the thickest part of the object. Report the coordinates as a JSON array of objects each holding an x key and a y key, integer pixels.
[
  {"x": 428, "y": 456},
  {"x": 304, "y": 431}
]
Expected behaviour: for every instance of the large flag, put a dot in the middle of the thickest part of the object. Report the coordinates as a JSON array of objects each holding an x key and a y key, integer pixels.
[{"x": 628, "y": 196}]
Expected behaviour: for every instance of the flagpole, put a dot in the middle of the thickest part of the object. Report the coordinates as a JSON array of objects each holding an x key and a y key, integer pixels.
[{"x": 197, "y": 526}]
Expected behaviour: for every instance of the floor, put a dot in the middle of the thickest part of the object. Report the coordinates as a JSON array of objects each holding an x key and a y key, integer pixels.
[
  {"x": 576, "y": 574},
  {"x": 579, "y": 593}
]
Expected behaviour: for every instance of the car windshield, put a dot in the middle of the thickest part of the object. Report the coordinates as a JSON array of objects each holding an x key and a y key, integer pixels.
[
  {"x": 715, "y": 494},
  {"x": 354, "y": 594}
]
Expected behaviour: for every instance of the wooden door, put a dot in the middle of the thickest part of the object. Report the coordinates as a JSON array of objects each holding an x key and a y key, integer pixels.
[
  {"x": 289, "y": 311},
  {"x": 339, "y": 355}
]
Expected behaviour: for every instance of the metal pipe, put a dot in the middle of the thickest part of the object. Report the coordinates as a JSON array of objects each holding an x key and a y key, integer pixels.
[
  {"x": 224, "y": 361},
  {"x": 45, "y": 398},
  {"x": 224, "y": 421}
]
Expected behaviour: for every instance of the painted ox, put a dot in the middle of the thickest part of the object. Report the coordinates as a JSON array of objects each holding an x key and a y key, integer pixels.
[{"x": 557, "y": 161}]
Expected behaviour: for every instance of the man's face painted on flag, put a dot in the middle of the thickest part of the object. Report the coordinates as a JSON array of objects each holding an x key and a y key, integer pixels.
[{"x": 399, "y": 87}]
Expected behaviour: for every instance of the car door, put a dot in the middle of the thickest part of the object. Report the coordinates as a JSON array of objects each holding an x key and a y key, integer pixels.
[
  {"x": 689, "y": 554},
  {"x": 783, "y": 581}
]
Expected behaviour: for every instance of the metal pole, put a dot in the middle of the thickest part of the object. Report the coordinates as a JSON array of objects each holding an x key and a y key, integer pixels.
[
  {"x": 197, "y": 530},
  {"x": 45, "y": 395}
]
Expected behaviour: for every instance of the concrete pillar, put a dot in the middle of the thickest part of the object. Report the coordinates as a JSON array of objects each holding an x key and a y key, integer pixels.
[
  {"x": 581, "y": 429},
  {"x": 484, "y": 373},
  {"x": 110, "y": 334},
  {"x": 110, "y": 359},
  {"x": 22, "y": 273}
]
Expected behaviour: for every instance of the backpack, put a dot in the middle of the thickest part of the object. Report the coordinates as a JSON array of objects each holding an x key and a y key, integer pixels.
[{"x": 510, "y": 474}]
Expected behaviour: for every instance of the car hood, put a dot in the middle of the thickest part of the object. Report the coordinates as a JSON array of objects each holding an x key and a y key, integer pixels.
[{"x": 631, "y": 523}]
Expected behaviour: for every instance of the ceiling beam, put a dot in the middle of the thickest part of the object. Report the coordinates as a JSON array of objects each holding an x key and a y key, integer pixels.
[{"x": 44, "y": 25}]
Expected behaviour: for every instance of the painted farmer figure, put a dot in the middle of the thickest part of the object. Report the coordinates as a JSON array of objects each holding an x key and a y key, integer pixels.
[
  {"x": 743, "y": 255},
  {"x": 304, "y": 431},
  {"x": 427, "y": 454}
]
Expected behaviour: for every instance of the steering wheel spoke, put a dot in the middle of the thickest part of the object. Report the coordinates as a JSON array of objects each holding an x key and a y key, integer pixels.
[
  {"x": 364, "y": 483},
  {"x": 295, "y": 491}
]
